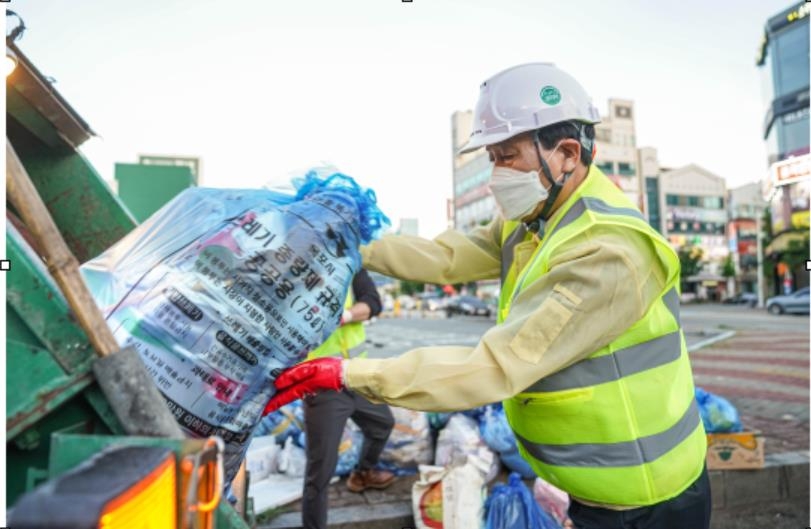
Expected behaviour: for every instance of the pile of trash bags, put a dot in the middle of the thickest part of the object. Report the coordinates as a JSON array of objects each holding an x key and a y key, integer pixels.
[
  {"x": 221, "y": 289},
  {"x": 470, "y": 447}
]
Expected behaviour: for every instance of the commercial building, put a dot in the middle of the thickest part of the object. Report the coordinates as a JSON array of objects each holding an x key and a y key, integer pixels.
[
  {"x": 146, "y": 186},
  {"x": 783, "y": 60},
  {"x": 617, "y": 154},
  {"x": 745, "y": 206},
  {"x": 472, "y": 202},
  {"x": 693, "y": 202}
]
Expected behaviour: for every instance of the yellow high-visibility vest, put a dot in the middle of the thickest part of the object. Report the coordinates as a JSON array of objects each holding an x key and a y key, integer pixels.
[
  {"x": 343, "y": 339},
  {"x": 621, "y": 426}
]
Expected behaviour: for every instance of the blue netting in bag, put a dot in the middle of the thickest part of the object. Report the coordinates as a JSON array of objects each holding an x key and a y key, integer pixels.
[{"x": 512, "y": 506}]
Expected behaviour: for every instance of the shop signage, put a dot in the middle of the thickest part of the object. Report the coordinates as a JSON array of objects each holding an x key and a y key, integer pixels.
[{"x": 795, "y": 169}]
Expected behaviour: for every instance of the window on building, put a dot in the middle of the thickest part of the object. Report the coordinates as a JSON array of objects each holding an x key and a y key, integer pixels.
[
  {"x": 626, "y": 169},
  {"x": 791, "y": 60},
  {"x": 793, "y": 135},
  {"x": 621, "y": 111},
  {"x": 672, "y": 200},
  {"x": 602, "y": 134},
  {"x": 713, "y": 202},
  {"x": 694, "y": 201},
  {"x": 606, "y": 167}
]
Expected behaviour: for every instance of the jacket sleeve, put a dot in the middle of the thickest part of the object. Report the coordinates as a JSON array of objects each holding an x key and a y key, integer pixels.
[
  {"x": 596, "y": 288},
  {"x": 364, "y": 290},
  {"x": 452, "y": 257}
]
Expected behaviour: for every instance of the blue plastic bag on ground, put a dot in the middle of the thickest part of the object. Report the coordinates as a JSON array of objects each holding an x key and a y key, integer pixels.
[
  {"x": 717, "y": 413},
  {"x": 221, "y": 289},
  {"x": 512, "y": 506},
  {"x": 349, "y": 449}
]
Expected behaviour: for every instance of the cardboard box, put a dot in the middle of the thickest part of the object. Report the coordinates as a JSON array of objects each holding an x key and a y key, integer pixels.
[{"x": 734, "y": 450}]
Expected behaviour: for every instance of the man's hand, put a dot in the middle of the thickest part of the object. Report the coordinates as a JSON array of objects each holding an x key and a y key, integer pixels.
[
  {"x": 306, "y": 378},
  {"x": 346, "y": 317}
]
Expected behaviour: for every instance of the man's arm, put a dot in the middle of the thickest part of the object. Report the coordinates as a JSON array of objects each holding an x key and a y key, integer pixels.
[
  {"x": 367, "y": 299},
  {"x": 452, "y": 257},
  {"x": 595, "y": 290}
]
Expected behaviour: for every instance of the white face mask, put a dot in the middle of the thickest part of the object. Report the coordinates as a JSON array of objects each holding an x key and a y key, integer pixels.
[{"x": 517, "y": 193}]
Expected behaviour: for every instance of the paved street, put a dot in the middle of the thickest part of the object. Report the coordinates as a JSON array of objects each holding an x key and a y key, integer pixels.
[{"x": 762, "y": 368}]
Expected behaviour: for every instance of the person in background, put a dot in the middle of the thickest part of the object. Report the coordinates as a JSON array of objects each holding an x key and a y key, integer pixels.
[
  {"x": 588, "y": 354},
  {"x": 326, "y": 413}
]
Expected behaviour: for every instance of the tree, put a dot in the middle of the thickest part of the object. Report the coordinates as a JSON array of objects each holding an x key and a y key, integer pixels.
[
  {"x": 410, "y": 288},
  {"x": 690, "y": 259}
]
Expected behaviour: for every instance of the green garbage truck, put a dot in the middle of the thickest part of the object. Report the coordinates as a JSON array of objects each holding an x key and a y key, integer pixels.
[{"x": 74, "y": 457}]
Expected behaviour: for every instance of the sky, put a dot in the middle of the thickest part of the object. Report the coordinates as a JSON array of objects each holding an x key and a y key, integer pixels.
[{"x": 263, "y": 89}]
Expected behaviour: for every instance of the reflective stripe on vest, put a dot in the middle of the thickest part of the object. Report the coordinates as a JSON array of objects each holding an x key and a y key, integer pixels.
[
  {"x": 629, "y": 453},
  {"x": 508, "y": 247},
  {"x": 621, "y": 363}
]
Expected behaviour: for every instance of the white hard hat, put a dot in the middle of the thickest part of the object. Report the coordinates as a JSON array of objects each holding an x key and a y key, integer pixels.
[{"x": 527, "y": 97}]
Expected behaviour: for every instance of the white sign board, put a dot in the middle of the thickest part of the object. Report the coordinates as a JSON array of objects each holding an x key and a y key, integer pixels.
[{"x": 795, "y": 169}]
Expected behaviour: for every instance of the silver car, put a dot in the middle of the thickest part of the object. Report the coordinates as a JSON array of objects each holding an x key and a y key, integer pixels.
[{"x": 796, "y": 303}]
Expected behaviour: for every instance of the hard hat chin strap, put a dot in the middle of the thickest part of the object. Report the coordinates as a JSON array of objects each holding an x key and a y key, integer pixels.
[{"x": 536, "y": 225}]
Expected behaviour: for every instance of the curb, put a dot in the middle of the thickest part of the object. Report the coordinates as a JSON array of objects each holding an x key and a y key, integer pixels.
[{"x": 710, "y": 341}]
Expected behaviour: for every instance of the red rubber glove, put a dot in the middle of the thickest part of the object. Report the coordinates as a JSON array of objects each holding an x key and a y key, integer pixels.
[{"x": 306, "y": 378}]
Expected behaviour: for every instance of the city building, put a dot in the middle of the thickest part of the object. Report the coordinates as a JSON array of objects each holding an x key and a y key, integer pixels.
[
  {"x": 617, "y": 154},
  {"x": 693, "y": 202},
  {"x": 472, "y": 202},
  {"x": 145, "y": 188},
  {"x": 192, "y": 162},
  {"x": 649, "y": 170},
  {"x": 783, "y": 60},
  {"x": 745, "y": 206}
]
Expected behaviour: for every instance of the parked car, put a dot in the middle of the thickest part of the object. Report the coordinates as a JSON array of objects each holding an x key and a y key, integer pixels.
[
  {"x": 468, "y": 305},
  {"x": 744, "y": 298},
  {"x": 432, "y": 302},
  {"x": 796, "y": 303}
]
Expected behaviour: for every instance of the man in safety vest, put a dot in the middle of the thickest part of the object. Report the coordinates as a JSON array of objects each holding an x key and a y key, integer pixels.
[
  {"x": 325, "y": 413},
  {"x": 588, "y": 354}
]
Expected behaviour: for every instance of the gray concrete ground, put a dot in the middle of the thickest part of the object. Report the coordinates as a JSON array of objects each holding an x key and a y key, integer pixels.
[{"x": 760, "y": 363}]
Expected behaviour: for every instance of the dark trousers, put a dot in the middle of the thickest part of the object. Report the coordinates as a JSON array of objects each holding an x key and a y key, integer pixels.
[
  {"x": 688, "y": 510},
  {"x": 325, "y": 416}
]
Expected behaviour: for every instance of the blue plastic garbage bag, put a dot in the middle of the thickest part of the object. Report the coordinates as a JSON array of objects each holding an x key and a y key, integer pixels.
[
  {"x": 499, "y": 437},
  {"x": 512, "y": 506},
  {"x": 287, "y": 421},
  {"x": 349, "y": 449},
  {"x": 717, "y": 413},
  {"x": 221, "y": 289}
]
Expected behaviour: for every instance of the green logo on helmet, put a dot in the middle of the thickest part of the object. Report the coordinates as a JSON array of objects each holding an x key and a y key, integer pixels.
[{"x": 550, "y": 95}]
